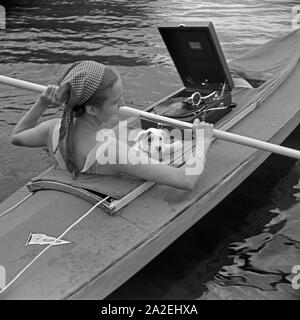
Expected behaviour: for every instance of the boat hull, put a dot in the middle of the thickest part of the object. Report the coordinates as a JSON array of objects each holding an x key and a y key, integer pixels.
[{"x": 105, "y": 250}]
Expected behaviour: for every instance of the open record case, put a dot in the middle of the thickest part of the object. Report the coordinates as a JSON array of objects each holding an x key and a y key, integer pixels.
[{"x": 202, "y": 67}]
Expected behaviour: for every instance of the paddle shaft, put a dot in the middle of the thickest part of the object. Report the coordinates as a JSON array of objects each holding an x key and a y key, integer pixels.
[
  {"x": 227, "y": 136},
  {"x": 22, "y": 84}
]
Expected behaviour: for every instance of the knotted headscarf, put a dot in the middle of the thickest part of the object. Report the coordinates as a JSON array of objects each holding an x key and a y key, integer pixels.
[{"x": 84, "y": 78}]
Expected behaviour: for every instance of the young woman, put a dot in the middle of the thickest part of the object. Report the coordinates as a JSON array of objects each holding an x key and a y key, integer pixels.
[{"x": 91, "y": 94}]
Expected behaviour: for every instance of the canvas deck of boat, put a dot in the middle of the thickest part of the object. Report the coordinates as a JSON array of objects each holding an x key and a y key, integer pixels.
[
  {"x": 105, "y": 250},
  {"x": 202, "y": 67}
]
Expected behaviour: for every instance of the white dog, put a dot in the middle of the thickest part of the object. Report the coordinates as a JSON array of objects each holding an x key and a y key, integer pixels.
[{"x": 155, "y": 142}]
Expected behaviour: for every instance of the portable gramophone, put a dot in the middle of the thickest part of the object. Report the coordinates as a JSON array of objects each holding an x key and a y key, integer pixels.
[{"x": 200, "y": 62}]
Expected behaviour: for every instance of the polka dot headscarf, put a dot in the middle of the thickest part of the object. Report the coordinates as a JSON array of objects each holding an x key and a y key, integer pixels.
[{"x": 84, "y": 78}]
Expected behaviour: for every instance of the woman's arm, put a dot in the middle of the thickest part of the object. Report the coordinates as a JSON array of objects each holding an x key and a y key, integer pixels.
[
  {"x": 26, "y": 133},
  {"x": 184, "y": 177},
  {"x": 163, "y": 173}
]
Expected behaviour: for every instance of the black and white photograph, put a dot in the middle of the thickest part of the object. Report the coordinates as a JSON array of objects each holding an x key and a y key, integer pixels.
[{"x": 149, "y": 151}]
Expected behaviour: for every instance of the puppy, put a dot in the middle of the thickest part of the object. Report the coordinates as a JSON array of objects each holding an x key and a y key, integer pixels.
[{"x": 155, "y": 143}]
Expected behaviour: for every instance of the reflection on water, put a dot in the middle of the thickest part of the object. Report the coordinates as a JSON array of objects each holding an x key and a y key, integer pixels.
[
  {"x": 115, "y": 32},
  {"x": 122, "y": 32},
  {"x": 262, "y": 264},
  {"x": 237, "y": 245}
]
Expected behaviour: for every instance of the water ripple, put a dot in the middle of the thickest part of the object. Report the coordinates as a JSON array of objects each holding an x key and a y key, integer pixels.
[{"x": 69, "y": 30}]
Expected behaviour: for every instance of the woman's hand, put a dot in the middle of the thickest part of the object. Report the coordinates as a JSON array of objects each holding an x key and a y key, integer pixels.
[
  {"x": 207, "y": 127},
  {"x": 49, "y": 97}
]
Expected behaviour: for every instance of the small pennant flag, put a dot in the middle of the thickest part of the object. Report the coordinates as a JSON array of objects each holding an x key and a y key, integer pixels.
[
  {"x": 2, "y": 277},
  {"x": 43, "y": 239}
]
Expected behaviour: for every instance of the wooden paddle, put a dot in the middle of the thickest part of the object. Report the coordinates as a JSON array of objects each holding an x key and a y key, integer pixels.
[{"x": 231, "y": 137}]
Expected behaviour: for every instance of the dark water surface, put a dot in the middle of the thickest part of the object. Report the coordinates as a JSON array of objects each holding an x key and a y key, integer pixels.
[{"x": 240, "y": 244}]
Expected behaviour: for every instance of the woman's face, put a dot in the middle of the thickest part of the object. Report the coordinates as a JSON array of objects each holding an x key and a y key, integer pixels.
[{"x": 111, "y": 106}]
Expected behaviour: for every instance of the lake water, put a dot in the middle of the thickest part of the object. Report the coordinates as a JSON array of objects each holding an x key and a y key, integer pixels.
[{"x": 42, "y": 37}]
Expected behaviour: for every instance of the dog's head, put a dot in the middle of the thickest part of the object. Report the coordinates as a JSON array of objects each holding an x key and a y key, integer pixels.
[{"x": 151, "y": 140}]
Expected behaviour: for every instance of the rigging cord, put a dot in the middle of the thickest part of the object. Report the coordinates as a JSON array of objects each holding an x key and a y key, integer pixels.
[{"x": 15, "y": 205}]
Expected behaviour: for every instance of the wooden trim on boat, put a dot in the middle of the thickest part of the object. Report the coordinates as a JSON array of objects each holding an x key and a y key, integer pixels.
[
  {"x": 77, "y": 192},
  {"x": 116, "y": 205}
]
